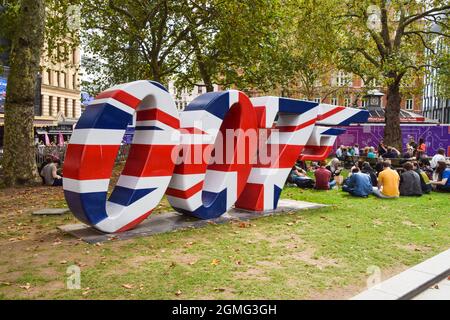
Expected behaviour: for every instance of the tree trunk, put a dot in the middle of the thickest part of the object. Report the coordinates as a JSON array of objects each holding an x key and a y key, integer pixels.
[
  {"x": 392, "y": 130},
  {"x": 19, "y": 161},
  {"x": 202, "y": 67}
]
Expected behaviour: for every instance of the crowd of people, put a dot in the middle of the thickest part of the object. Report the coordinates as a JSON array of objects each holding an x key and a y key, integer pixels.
[
  {"x": 413, "y": 150},
  {"x": 416, "y": 176}
]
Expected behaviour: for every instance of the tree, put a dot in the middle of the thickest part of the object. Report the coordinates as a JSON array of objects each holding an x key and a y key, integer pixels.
[
  {"x": 308, "y": 45},
  {"x": 19, "y": 162},
  {"x": 133, "y": 39},
  {"x": 231, "y": 45},
  {"x": 386, "y": 40},
  {"x": 30, "y": 30}
]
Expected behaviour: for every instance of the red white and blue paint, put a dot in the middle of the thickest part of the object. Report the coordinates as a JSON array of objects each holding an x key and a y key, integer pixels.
[
  {"x": 95, "y": 143},
  {"x": 182, "y": 154}
]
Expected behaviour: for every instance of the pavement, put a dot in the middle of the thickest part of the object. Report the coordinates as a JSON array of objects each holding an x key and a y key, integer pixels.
[
  {"x": 440, "y": 291},
  {"x": 427, "y": 280},
  {"x": 172, "y": 221}
]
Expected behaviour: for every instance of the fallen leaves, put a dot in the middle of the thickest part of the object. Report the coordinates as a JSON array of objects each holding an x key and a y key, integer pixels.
[
  {"x": 128, "y": 286},
  {"x": 57, "y": 242},
  {"x": 244, "y": 225},
  {"x": 189, "y": 244},
  {"x": 27, "y": 286},
  {"x": 86, "y": 291},
  {"x": 215, "y": 262}
]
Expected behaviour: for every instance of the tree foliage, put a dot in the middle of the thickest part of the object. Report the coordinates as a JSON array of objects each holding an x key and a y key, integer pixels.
[{"x": 386, "y": 40}]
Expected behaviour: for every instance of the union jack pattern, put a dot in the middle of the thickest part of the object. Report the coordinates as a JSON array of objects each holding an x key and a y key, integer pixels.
[
  {"x": 94, "y": 145},
  {"x": 320, "y": 143},
  {"x": 207, "y": 189},
  {"x": 296, "y": 120},
  {"x": 181, "y": 154}
]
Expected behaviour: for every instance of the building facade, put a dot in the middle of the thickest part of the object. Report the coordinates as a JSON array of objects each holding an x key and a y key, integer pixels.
[
  {"x": 435, "y": 105},
  {"x": 185, "y": 96},
  {"x": 344, "y": 89},
  {"x": 60, "y": 88},
  {"x": 58, "y": 97}
]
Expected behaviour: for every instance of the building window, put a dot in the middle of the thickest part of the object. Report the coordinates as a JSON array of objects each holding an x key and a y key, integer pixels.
[
  {"x": 74, "y": 108},
  {"x": 74, "y": 81},
  {"x": 74, "y": 56},
  {"x": 66, "y": 107},
  {"x": 334, "y": 101},
  {"x": 200, "y": 90},
  {"x": 364, "y": 103},
  {"x": 409, "y": 104},
  {"x": 58, "y": 78},
  {"x": 65, "y": 81},
  {"x": 49, "y": 75},
  {"x": 347, "y": 102},
  {"x": 317, "y": 100},
  {"x": 342, "y": 79},
  {"x": 50, "y": 105},
  {"x": 58, "y": 105}
]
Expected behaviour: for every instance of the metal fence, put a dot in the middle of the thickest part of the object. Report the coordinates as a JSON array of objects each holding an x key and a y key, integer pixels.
[{"x": 43, "y": 152}]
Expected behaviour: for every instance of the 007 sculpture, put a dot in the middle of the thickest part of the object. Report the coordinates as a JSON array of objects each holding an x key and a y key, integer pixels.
[{"x": 224, "y": 149}]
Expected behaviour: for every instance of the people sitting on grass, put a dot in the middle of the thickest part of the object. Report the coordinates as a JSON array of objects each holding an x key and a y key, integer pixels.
[
  {"x": 382, "y": 149},
  {"x": 339, "y": 152},
  {"x": 410, "y": 181},
  {"x": 50, "y": 173},
  {"x": 439, "y": 156},
  {"x": 411, "y": 144},
  {"x": 323, "y": 178},
  {"x": 300, "y": 178},
  {"x": 356, "y": 151},
  {"x": 425, "y": 182},
  {"x": 442, "y": 183},
  {"x": 388, "y": 183},
  {"x": 358, "y": 184},
  {"x": 367, "y": 169},
  {"x": 409, "y": 153},
  {"x": 364, "y": 152},
  {"x": 426, "y": 167},
  {"x": 335, "y": 169},
  {"x": 421, "y": 151},
  {"x": 47, "y": 160},
  {"x": 371, "y": 154},
  {"x": 392, "y": 153}
]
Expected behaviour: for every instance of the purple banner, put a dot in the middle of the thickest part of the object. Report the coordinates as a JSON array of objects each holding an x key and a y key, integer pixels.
[{"x": 370, "y": 135}]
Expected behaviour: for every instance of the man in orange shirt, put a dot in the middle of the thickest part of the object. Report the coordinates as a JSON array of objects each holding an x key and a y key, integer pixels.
[{"x": 388, "y": 183}]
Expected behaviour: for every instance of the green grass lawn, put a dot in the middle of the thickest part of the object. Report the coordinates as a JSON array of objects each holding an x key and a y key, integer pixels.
[{"x": 308, "y": 254}]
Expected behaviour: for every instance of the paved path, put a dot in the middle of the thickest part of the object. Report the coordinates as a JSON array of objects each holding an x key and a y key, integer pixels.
[
  {"x": 415, "y": 283},
  {"x": 439, "y": 292}
]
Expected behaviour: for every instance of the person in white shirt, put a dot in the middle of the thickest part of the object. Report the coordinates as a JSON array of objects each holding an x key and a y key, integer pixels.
[
  {"x": 439, "y": 156},
  {"x": 339, "y": 152},
  {"x": 356, "y": 149}
]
